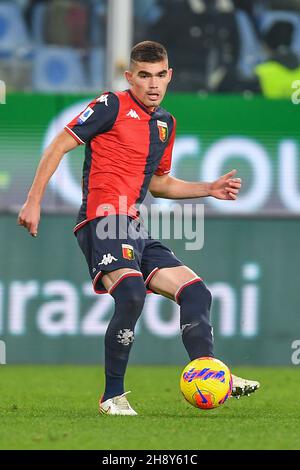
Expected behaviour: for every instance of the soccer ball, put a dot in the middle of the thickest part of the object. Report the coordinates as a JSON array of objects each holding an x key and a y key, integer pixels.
[{"x": 206, "y": 383}]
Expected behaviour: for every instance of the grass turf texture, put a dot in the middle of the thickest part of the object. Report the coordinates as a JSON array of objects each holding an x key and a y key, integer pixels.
[{"x": 55, "y": 407}]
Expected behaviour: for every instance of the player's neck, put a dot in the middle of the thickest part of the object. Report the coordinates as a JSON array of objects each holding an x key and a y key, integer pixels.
[{"x": 150, "y": 109}]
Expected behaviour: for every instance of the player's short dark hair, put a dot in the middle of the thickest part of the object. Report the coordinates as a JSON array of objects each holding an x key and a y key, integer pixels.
[{"x": 148, "y": 51}]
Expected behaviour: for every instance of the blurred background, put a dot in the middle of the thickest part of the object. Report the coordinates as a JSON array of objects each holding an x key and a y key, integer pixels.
[
  {"x": 235, "y": 94},
  {"x": 213, "y": 45}
]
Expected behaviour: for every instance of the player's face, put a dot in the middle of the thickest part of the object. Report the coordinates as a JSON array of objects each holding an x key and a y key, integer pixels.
[{"x": 149, "y": 82}]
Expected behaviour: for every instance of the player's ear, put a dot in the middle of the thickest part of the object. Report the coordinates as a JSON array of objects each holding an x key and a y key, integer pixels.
[
  {"x": 128, "y": 76},
  {"x": 170, "y": 73}
]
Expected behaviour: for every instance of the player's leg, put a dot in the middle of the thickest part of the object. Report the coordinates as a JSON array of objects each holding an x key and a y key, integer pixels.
[
  {"x": 184, "y": 286},
  {"x": 127, "y": 288},
  {"x": 110, "y": 279},
  {"x": 114, "y": 267}
]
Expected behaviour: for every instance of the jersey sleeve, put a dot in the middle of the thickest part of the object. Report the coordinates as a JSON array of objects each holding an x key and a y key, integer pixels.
[
  {"x": 164, "y": 166},
  {"x": 98, "y": 117}
]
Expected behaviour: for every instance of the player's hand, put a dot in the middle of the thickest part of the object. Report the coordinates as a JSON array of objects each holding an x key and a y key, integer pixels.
[
  {"x": 29, "y": 217},
  {"x": 226, "y": 187}
]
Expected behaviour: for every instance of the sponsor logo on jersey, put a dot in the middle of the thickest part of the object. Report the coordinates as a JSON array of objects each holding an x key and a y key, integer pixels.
[
  {"x": 127, "y": 251},
  {"x": 103, "y": 99},
  {"x": 107, "y": 259},
  {"x": 85, "y": 115},
  {"x": 132, "y": 113},
  {"x": 163, "y": 130}
]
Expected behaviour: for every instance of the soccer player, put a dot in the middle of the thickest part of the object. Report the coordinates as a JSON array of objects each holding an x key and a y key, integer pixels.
[{"x": 129, "y": 140}]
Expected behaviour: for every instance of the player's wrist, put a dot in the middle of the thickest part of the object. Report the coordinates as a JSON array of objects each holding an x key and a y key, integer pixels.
[
  {"x": 34, "y": 199},
  {"x": 208, "y": 189}
]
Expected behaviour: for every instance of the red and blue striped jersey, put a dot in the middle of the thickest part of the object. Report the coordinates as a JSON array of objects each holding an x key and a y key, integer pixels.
[{"x": 125, "y": 146}]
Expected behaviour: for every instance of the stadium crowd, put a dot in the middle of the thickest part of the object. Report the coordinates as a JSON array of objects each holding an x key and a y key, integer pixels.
[{"x": 214, "y": 45}]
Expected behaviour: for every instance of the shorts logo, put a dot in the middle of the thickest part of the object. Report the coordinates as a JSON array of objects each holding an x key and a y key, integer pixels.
[
  {"x": 163, "y": 130},
  {"x": 107, "y": 259},
  {"x": 127, "y": 251},
  {"x": 85, "y": 115}
]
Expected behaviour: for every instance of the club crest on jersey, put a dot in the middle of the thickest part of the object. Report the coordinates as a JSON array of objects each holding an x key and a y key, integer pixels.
[
  {"x": 163, "y": 130},
  {"x": 127, "y": 251}
]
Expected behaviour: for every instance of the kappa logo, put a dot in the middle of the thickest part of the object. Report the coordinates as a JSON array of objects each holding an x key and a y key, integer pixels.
[
  {"x": 132, "y": 113},
  {"x": 103, "y": 99},
  {"x": 107, "y": 259}
]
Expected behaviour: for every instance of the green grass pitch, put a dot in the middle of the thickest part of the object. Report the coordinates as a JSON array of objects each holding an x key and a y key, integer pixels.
[{"x": 55, "y": 407}]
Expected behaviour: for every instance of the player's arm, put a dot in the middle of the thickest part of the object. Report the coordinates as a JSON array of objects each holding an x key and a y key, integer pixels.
[
  {"x": 165, "y": 186},
  {"x": 98, "y": 117},
  {"x": 29, "y": 215}
]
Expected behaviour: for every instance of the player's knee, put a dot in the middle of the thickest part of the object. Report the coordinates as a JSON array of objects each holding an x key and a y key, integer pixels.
[
  {"x": 206, "y": 294},
  {"x": 134, "y": 300},
  {"x": 196, "y": 293},
  {"x": 195, "y": 302},
  {"x": 130, "y": 292}
]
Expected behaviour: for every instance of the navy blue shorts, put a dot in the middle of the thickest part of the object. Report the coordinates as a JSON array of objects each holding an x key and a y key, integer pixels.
[{"x": 114, "y": 242}]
